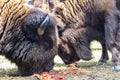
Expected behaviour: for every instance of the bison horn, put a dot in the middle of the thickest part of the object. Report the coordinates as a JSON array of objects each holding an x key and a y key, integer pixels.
[{"x": 43, "y": 25}]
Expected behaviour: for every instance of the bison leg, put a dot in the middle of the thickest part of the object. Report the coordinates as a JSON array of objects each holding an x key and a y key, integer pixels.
[
  {"x": 104, "y": 56},
  {"x": 110, "y": 37},
  {"x": 115, "y": 59}
]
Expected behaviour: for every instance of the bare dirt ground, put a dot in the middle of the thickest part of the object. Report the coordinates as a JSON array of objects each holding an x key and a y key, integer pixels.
[{"x": 88, "y": 68}]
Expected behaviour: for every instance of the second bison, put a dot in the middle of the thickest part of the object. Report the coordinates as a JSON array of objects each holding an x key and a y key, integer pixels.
[{"x": 87, "y": 20}]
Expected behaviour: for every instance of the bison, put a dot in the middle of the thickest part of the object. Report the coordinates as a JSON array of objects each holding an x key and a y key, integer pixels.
[
  {"x": 87, "y": 20},
  {"x": 27, "y": 37}
]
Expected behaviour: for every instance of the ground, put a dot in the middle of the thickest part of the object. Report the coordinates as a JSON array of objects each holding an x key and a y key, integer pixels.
[{"x": 88, "y": 69}]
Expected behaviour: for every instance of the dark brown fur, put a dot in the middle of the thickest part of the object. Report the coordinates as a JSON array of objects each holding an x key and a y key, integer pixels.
[{"x": 20, "y": 41}]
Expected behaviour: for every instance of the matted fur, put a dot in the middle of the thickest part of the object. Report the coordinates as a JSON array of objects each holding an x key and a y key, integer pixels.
[{"x": 19, "y": 40}]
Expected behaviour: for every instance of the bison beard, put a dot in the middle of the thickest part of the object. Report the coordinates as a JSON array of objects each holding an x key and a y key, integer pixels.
[
  {"x": 27, "y": 37},
  {"x": 86, "y": 20}
]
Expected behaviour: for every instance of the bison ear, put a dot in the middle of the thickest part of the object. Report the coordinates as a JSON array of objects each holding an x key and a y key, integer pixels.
[{"x": 43, "y": 26}]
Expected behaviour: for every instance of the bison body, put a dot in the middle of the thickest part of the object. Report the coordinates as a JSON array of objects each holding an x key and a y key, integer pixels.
[
  {"x": 86, "y": 20},
  {"x": 25, "y": 39}
]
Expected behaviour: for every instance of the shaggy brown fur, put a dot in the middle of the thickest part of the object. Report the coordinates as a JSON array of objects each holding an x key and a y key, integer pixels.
[
  {"x": 85, "y": 20},
  {"x": 20, "y": 39}
]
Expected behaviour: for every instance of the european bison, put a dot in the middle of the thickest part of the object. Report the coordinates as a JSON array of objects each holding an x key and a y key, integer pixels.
[
  {"x": 27, "y": 37},
  {"x": 87, "y": 20}
]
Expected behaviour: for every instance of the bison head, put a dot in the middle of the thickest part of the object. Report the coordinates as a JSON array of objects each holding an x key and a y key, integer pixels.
[
  {"x": 27, "y": 37},
  {"x": 39, "y": 31}
]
